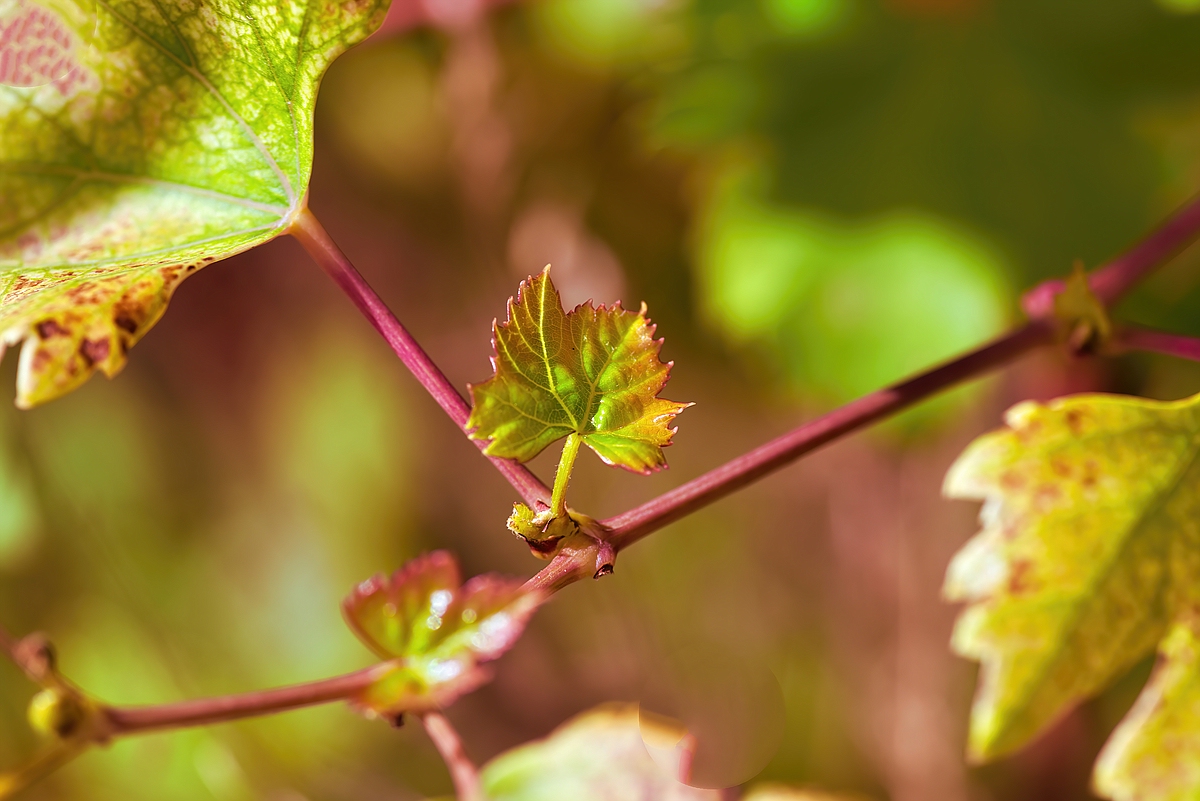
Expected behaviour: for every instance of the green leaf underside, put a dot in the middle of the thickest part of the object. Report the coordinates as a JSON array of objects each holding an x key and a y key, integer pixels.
[
  {"x": 183, "y": 136},
  {"x": 597, "y": 756},
  {"x": 1089, "y": 553},
  {"x": 436, "y": 629},
  {"x": 591, "y": 371}
]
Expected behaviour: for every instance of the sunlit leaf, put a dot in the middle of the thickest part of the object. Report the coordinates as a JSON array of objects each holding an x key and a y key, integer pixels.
[
  {"x": 181, "y": 136},
  {"x": 598, "y": 756},
  {"x": 591, "y": 371},
  {"x": 1090, "y": 550},
  {"x": 437, "y": 629}
]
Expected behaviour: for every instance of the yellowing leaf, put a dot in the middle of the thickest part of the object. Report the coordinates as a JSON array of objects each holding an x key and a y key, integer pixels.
[
  {"x": 1090, "y": 550},
  {"x": 1153, "y": 754},
  {"x": 594, "y": 372},
  {"x": 436, "y": 629},
  {"x": 180, "y": 136},
  {"x": 598, "y": 756}
]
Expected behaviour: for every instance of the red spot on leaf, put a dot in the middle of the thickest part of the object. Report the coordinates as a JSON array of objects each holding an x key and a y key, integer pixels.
[{"x": 48, "y": 329}]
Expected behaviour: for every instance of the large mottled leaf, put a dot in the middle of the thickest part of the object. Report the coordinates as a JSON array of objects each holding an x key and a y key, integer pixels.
[
  {"x": 592, "y": 371},
  {"x": 435, "y": 629},
  {"x": 1090, "y": 551},
  {"x": 180, "y": 135},
  {"x": 1155, "y": 752},
  {"x": 600, "y": 755}
]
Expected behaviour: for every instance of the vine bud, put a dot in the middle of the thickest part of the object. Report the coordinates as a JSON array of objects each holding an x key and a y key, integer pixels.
[{"x": 53, "y": 712}]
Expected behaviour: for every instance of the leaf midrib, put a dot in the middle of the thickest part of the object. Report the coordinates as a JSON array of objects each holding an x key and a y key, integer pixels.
[
  {"x": 13, "y": 266},
  {"x": 284, "y": 182},
  {"x": 1069, "y": 629},
  {"x": 19, "y": 168}
]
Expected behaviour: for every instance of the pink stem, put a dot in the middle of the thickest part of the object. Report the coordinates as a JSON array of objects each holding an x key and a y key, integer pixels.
[
  {"x": 631, "y": 526},
  {"x": 312, "y": 235},
  {"x": 1147, "y": 339},
  {"x": 463, "y": 772},
  {"x": 1113, "y": 280},
  {"x": 206, "y": 711}
]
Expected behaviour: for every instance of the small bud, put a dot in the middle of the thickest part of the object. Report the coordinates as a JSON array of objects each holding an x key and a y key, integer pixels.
[{"x": 53, "y": 712}]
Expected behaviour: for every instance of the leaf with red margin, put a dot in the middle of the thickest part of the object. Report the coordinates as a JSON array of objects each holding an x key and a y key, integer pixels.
[
  {"x": 593, "y": 371},
  {"x": 436, "y": 629}
]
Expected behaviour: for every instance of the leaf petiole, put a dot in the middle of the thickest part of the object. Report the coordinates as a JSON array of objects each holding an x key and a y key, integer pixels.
[{"x": 566, "y": 463}]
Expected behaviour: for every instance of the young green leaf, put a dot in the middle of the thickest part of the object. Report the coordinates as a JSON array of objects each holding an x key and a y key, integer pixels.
[
  {"x": 181, "y": 136},
  {"x": 599, "y": 755},
  {"x": 592, "y": 371},
  {"x": 1090, "y": 550},
  {"x": 435, "y": 629}
]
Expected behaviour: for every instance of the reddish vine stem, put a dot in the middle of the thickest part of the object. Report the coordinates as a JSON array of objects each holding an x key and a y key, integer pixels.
[
  {"x": 309, "y": 232},
  {"x": 205, "y": 711},
  {"x": 1132, "y": 337},
  {"x": 576, "y": 563},
  {"x": 1113, "y": 280},
  {"x": 463, "y": 772},
  {"x": 631, "y": 526}
]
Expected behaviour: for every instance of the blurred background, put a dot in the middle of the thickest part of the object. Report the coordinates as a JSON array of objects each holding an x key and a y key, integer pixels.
[{"x": 815, "y": 197}]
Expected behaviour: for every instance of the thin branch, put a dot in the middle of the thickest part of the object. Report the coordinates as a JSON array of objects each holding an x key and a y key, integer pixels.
[
  {"x": 312, "y": 235},
  {"x": 595, "y": 558},
  {"x": 463, "y": 772},
  {"x": 42, "y": 765},
  {"x": 1114, "y": 280},
  {"x": 574, "y": 564},
  {"x": 716, "y": 484},
  {"x": 205, "y": 711},
  {"x": 1132, "y": 337}
]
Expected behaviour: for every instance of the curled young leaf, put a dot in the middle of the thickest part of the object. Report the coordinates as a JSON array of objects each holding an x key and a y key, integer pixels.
[
  {"x": 435, "y": 629},
  {"x": 181, "y": 135},
  {"x": 592, "y": 371},
  {"x": 597, "y": 756},
  {"x": 1090, "y": 551}
]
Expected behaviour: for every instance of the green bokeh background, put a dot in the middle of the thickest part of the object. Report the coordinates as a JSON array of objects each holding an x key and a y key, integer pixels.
[{"x": 815, "y": 197}]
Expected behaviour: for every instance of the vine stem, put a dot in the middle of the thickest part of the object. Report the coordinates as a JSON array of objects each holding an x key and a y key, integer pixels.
[
  {"x": 122, "y": 721},
  {"x": 463, "y": 772},
  {"x": 574, "y": 563},
  {"x": 631, "y": 526},
  {"x": 309, "y": 232},
  {"x": 1132, "y": 337},
  {"x": 1113, "y": 280}
]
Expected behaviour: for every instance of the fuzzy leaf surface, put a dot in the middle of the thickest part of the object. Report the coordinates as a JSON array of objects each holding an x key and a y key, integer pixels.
[
  {"x": 182, "y": 135},
  {"x": 1089, "y": 553},
  {"x": 597, "y": 756},
  {"x": 591, "y": 371},
  {"x": 435, "y": 629}
]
